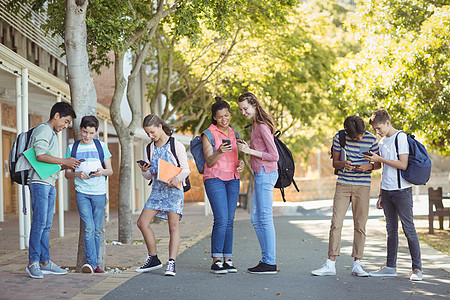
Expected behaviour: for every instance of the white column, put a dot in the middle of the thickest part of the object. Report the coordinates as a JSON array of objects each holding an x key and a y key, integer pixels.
[
  {"x": 25, "y": 126},
  {"x": 19, "y": 130},
  {"x": 105, "y": 140},
  {"x": 60, "y": 185}
]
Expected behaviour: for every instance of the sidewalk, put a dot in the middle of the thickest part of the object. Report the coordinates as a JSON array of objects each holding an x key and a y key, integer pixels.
[
  {"x": 311, "y": 217},
  {"x": 15, "y": 283}
]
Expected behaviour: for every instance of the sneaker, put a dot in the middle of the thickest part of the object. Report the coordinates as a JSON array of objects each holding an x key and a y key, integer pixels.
[
  {"x": 263, "y": 268},
  {"x": 228, "y": 265},
  {"x": 329, "y": 268},
  {"x": 384, "y": 272},
  {"x": 152, "y": 263},
  {"x": 34, "y": 271},
  {"x": 52, "y": 268},
  {"x": 218, "y": 268},
  {"x": 416, "y": 275},
  {"x": 87, "y": 268},
  {"x": 98, "y": 270},
  {"x": 358, "y": 270},
  {"x": 170, "y": 268}
]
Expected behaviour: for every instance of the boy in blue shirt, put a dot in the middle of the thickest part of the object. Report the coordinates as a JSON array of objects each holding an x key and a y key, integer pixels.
[
  {"x": 43, "y": 192},
  {"x": 90, "y": 187}
]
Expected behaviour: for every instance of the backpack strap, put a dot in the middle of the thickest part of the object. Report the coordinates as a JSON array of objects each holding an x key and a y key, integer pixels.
[
  {"x": 398, "y": 156},
  {"x": 149, "y": 157},
  {"x": 342, "y": 139},
  {"x": 73, "y": 153},
  {"x": 210, "y": 138},
  {"x": 101, "y": 154}
]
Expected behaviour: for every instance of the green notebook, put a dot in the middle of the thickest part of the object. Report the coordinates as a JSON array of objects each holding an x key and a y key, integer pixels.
[{"x": 43, "y": 169}]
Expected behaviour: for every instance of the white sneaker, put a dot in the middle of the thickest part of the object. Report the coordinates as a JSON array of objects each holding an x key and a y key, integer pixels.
[
  {"x": 358, "y": 270},
  {"x": 328, "y": 268},
  {"x": 416, "y": 275},
  {"x": 384, "y": 272}
]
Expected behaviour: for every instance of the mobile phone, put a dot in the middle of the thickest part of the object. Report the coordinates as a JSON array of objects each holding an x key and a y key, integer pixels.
[
  {"x": 367, "y": 153},
  {"x": 81, "y": 160},
  {"x": 141, "y": 162},
  {"x": 226, "y": 142},
  {"x": 91, "y": 173}
]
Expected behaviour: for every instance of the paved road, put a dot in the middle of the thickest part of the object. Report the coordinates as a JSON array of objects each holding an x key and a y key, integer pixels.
[{"x": 301, "y": 246}]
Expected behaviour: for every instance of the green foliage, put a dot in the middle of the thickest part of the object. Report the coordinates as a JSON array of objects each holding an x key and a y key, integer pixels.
[{"x": 403, "y": 66}]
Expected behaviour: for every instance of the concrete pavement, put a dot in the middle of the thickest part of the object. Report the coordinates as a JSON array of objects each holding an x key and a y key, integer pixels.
[{"x": 302, "y": 237}]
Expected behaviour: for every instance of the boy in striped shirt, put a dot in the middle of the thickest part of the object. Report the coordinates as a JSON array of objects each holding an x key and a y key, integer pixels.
[{"x": 353, "y": 185}]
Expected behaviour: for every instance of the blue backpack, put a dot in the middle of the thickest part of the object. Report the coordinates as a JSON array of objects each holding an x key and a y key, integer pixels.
[
  {"x": 197, "y": 149},
  {"x": 419, "y": 164}
]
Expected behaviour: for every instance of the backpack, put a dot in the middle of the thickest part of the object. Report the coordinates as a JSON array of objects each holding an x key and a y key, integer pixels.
[
  {"x": 342, "y": 142},
  {"x": 99, "y": 147},
  {"x": 197, "y": 149},
  {"x": 419, "y": 164},
  {"x": 286, "y": 165},
  {"x": 18, "y": 165},
  {"x": 187, "y": 182}
]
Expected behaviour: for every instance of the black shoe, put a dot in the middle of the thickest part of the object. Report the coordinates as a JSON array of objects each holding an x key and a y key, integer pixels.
[
  {"x": 152, "y": 263},
  {"x": 228, "y": 265},
  {"x": 217, "y": 268},
  {"x": 263, "y": 268}
]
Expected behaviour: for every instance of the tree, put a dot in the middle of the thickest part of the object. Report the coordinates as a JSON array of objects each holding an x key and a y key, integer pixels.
[{"x": 403, "y": 66}]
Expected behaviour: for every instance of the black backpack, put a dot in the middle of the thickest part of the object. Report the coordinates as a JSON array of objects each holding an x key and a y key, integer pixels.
[
  {"x": 286, "y": 165},
  {"x": 342, "y": 142},
  {"x": 187, "y": 182}
]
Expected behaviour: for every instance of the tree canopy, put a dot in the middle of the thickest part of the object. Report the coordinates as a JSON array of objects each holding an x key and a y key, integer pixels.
[{"x": 403, "y": 66}]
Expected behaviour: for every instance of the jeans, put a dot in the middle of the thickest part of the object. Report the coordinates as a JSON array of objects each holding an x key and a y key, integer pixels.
[
  {"x": 399, "y": 203},
  {"x": 262, "y": 214},
  {"x": 42, "y": 203},
  {"x": 358, "y": 196},
  {"x": 91, "y": 209},
  {"x": 223, "y": 196}
]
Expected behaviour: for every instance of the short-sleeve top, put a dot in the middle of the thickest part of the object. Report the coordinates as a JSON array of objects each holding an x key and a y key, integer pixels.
[
  {"x": 387, "y": 148},
  {"x": 354, "y": 152},
  {"x": 94, "y": 185}
]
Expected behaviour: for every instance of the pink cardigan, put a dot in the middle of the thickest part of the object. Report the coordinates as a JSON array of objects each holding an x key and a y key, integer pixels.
[{"x": 261, "y": 140}]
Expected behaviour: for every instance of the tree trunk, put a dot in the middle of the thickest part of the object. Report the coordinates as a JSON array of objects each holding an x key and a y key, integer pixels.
[{"x": 83, "y": 94}]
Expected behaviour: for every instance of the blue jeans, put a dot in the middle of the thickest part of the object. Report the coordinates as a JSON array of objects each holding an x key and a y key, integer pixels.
[
  {"x": 399, "y": 203},
  {"x": 262, "y": 214},
  {"x": 223, "y": 197},
  {"x": 91, "y": 208},
  {"x": 43, "y": 203}
]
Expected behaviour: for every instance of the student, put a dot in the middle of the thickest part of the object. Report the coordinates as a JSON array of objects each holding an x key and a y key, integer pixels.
[
  {"x": 221, "y": 180},
  {"x": 166, "y": 200},
  {"x": 263, "y": 158},
  {"x": 43, "y": 192},
  {"x": 90, "y": 187},
  {"x": 396, "y": 195},
  {"x": 352, "y": 186}
]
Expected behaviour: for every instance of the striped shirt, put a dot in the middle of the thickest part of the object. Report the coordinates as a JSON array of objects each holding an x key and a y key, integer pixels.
[{"x": 354, "y": 152}]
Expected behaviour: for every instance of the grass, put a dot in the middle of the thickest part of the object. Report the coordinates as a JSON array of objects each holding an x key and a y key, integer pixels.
[{"x": 440, "y": 240}]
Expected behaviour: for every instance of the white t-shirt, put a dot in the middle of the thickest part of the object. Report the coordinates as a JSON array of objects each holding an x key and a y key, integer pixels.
[{"x": 389, "y": 181}]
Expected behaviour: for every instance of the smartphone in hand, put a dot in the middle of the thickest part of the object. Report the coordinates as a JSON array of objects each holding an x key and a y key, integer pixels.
[
  {"x": 226, "y": 142},
  {"x": 81, "y": 160},
  {"x": 367, "y": 153},
  {"x": 142, "y": 163}
]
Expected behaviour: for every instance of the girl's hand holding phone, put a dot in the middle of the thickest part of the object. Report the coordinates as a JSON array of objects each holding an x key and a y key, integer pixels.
[
  {"x": 243, "y": 146},
  {"x": 143, "y": 165}
]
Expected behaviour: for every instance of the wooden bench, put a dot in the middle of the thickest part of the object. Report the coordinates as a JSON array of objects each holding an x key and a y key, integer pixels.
[{"x": 436, "y": 208}]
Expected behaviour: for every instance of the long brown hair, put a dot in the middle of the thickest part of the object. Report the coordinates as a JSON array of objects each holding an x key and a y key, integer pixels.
[
  {"x": 261, "y": 116},
  {"x": 154, "y": 120}
]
